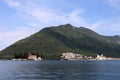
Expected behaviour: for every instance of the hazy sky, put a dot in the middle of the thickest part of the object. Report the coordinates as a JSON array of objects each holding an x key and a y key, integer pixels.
[{"x": 21, "y": 18}]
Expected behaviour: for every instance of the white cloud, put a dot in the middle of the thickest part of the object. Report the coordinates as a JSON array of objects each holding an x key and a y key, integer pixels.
[
  {"x": 3, "y": 28},
  {"x": 42, "y": 15},
  {"x": 12, "y": 3},
  {"x": 76, "y": 19},
  {"x": 9, "y": 37},
  {"x": 113, "y": 3},
  {"x": 115, "y": 27},
  {"x": 107, "y": 27},
  {"x": 99, "y": 24}
]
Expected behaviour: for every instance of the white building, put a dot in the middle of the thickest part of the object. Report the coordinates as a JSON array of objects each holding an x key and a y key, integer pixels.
[
  {"x": 34, "y": 57},
  {"x": 71, "y": 56},
  {"x": 101, "y": 57}
]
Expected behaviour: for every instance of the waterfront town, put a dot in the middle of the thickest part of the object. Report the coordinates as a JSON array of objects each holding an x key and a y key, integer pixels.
[
  {"x": 74, "y": 56},
  {"x": 69, "y": 56}
]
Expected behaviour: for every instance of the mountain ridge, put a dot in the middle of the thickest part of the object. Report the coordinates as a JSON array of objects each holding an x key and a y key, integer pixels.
[{"x": 55, "y": 40}]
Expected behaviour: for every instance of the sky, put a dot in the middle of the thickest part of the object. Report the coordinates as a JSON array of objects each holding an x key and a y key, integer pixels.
[{"x": 21, "y": 18}]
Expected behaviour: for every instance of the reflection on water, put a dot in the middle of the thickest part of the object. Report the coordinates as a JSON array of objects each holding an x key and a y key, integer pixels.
[{"x": 59, "y": 70}]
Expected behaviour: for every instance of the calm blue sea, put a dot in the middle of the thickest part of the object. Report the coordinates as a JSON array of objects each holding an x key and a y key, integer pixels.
[{"x": 60, "y": 70}]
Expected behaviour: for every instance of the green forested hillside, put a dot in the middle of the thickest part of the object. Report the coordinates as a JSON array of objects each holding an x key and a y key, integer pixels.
[{"x": 65, "y": 38}]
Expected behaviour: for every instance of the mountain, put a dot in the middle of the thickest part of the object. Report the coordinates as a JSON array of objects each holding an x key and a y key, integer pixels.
[{"x": 53, "y": 41}]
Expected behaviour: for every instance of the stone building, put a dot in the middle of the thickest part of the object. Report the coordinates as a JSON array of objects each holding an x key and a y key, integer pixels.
[
  {"x": 34, "y": 57},
  {"x": 101, "y": 57},
  {"x": 71, "y": 56}
]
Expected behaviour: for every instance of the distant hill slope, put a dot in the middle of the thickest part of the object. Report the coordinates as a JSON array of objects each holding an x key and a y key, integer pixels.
[{"x": 66, "y": 38}]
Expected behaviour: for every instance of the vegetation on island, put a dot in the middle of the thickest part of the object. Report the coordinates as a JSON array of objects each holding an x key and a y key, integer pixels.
[
  {"x": 50, "y": 42},
  {"x": 21, "y": 55}
]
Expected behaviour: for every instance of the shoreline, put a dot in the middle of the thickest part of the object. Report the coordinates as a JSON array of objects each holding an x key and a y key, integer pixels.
[{"x": 64, "y": 60}]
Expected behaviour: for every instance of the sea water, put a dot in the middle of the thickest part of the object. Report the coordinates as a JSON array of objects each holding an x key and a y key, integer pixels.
[{"x": 60, "y": 70}]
